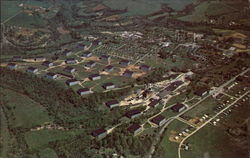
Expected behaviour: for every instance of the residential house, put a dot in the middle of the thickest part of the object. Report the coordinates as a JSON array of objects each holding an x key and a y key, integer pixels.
[
  {"x": 90, "y": 64},
  {"x": 108, "y": 68},
  {"x": 47, "y": 63},
  {"x": 133, "y": 113},
  {"x": 39, "y": 58},
  {"x": 159, "y": 120},
  {"x": 82, "y": 46},
  {"x": 108, "y": 85},
  {"x": 84, "y": 91},
  {"x": 124, "y": 62},
  {"x": 105, "y": 57},
  {"x": 112, "y": 103},
  {"x": 128, "y": 73},
  {"x": 70, "y": 61},
  {"x": 12, "y": 65},
  {"x": 135, "y": 129},
  {"x": 69, "y": 69},
  {"x": 94, "y": 77},
  {"x": 32, "y": 69},
  {"x": 17, "y": 58},
  {"x": 72, "y": 82},
  {"x": 154, "y": 103},
  {"x": 51, "y": 75},
  {"x": 145, "y": 68},
  {"x": 87, "y": 54},
  {"x": 201, "y": 91},
  {"x": 67, "y": 52},
  {"x": 178, "y": 107}
]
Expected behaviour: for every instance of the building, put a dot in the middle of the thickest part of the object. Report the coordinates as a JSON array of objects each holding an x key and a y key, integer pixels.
[
  {"x": 70, "y": 61},
  {"x": 51, "y": 75},
  {"x": 170, "y": 88},
  {"x": 82, "y": 46},
  {"x": 159, "y": 120},
  {"x": 108, "y": 85},
  {"x": 135, "y": 129},
  {"x": 124, "y": 62},
  {"x": 133, "y": 113},
  {"x": 99, "y": 133},
  {"x": 154, "y": 103},
  {"x": 87, "y": 54},
  {"x": 105, "y": 57},
  {"x": 90, "y": 64},
  {"x": 72, "y": 82},
  {"x": 17, "y": 58},
  {"x": 47, "y": 63},
  {"x": 67, "y": 52},
  {"x": 69, "y": 69},
  {"x": 201, "y": 91},
  {"x": 128, "y": 73},
  {"x": 97, "y": 42},
  {"x": 39, "y": 58},
  {"x": 108, "y": 68},
  {"x": 32, "y": 69},
  {"x": 178, "y": 107},
  {"x": 12, "y": 65},
  {"x": 84, "y": 91},
  {"x": 112, "y": 103},
  {"x": 145, "y": 68},
  {"x": 94, "y": 77}
]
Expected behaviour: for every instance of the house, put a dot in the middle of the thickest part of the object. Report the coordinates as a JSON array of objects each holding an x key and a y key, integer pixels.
[
  {"x": 90, "y": 64},
  {"x": 17, "y": 58},
  {"x": 133, "y": 113},
  {"x": 159, "y": 120},
  {"x": 72, "y": 82},
  {"x": 94, "y": 77},
  {"x": 201, "y": 91},
  {"x": 12, "y": 65},
  {"x": 67, "y": 52},
  {"x": 145, "y": 68},
  {"x": 87, "y": 54},
  {"x": 105, "y": 57},
  {"x": 178, "y": 107},
  {"x": 69, "y": 69},
  {"x": 108, "y": 85},
  {"x": 82, "y": 46},
  {"x": 39, "y": 58},
  {"x": 84, "y": 91},
  {"x": 128, "y": 73},
  {"x": 70, "y": 61},
  {"x": 51, "y": 75},
  {"x": 47, "y": 63},
  {"x": 124, "y": 62},
  {"x": 112, "y": 103},
  {"x": 97, "y": 42},
  {"x": 154, "y": 103},
  {"x": 135, "y": 129},
  {"x": 32, "y": 69},
  {"x": 108, "y": 68},
  {"x": 99, "y": 133}
]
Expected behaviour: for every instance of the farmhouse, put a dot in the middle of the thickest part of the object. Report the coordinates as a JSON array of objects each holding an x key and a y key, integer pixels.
[
  {"x": 133, "y": 113},
  {"x": 12, "y": 65},
  {"x": 112, "y": 103},
  {"x": 108, "y": 85},
  {"x": 124, "y": 62},
  {"x": 94, "y": 77},
  {"x": 178, "y": 107},
  {"x": 72, "y": 82},
  {"x": 47, "y": 63},
  {"x": 201, "y": 91},
  {"x": 159, "y": 120},
  {"x": 17, "y": 58},
  {"x": 90, "y": 64},
  {"x": 128, "y": 73},
  {"x": 69, "y": 69},
  {"x": 67, "y": 52},
  {"x": 105, "y": 57},
  {"x": 70, "y": 61},
  {"x": 32, "y": 69},
  {"x": 99, "y": 133},
  {"x": 87, "y": 54},
  {"x": 84, "y": 91},
  {"x": 39, "y": 58},
  {"x": 154, "y": 103},
  {"x": 145, "y": 68},
  {"x": 108, "y": 68},
  {"x": 51, "y": 75},
  {"x": 135, "y": 129}
]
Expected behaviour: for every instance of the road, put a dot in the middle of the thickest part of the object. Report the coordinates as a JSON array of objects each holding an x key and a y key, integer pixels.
[
  {"x": 152, "y": 148},
  {"x": 197, "y": 129}
]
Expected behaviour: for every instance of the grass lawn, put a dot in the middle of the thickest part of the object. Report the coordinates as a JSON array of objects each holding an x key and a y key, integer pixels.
[
  {"x": 47, "y": 153},
  {"x": 27, "y": 112}
]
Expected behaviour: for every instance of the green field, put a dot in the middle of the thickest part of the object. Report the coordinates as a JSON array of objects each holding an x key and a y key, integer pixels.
[
  {"x": 47, "y": 153},
  {"x": 27, "y": 113},
  {"x": 9, "y": 9}
]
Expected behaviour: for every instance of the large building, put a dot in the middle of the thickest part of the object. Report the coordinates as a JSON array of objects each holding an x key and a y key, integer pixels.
[
  {"x": 84, "y": 91},
  {"x": 201, "y": 91},
  {"x": 108, "y": 85},
  {"x": 133, "y": 113},
  {"x": 90, "y": 64},
  {"x": 51, "y": 75},
  {"x": 135, "y": 129},
  {"x": 112, "y": 103},
  {"x": 32, "y": 69},
  {"x": 94, "y": 77},
  {"x": 99, "y": 133},
  {"x": 159, "y": 120},
  {"x": 108, "y": 68},
  {"x": 70, "y": 61},
  {"x": 69, "y": 69},
  {"x": 178, "y": 107},
  {"x": 128, "y": 73},
  {"x": 72, "y": 82},
  {"x": 154, "y": 103},
  {"x": 47, "y": 63},
  {"x": 12, "y": 65}
]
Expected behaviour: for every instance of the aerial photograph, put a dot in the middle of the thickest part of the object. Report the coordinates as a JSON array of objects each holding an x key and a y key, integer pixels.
[{"x": 125, "y": 79}]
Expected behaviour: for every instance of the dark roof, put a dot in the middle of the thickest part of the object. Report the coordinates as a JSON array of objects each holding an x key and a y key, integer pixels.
[
  {"x": 32, "y": 68},
  {"x": 66, "y": 51},
  {"x": 68, "y": 68},
  {"x": 134, "y": 127},
  {"x": 124, "y": 61},
  {"x": 173, "y": 85},
  {"x": 70, "y": 59},
  {"x": 177, "y": 107},
  {"x": 145, "y": 66},
  {"x": 51, "y": 74},
  {"x": 111, "y": 102},
  {"x": 98, "y": 132},
  {"x": 46, "y": 62},
  {"x": 12, "y": 64},
  {"x": 108, "y": 84},
  {"x": 71, "y": 80},
  {"x": 81, "y": 45},
  {"x": 83, "y": 90},
  {"x": 105, "y": 56},
  {"x": 157, "y": 119},
  {"x": 94, "y": 75},
  {"x": 90, "y": 62},
  {"x": 109, "y": 67},
  {"x": 86, "y": 53},
  {"x": 154, "y": 102},
  {"x": 132, "y": 112},
  {"x": 128, "y": 72},
  {"x": 39, "y": 57},
  {"x": 200, "y": 91}
]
